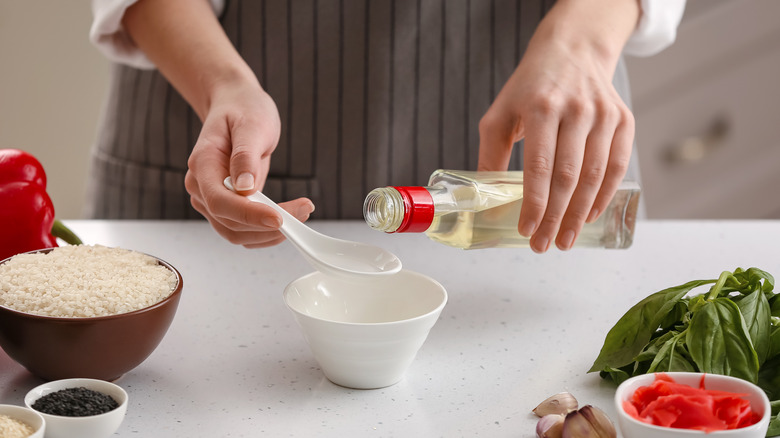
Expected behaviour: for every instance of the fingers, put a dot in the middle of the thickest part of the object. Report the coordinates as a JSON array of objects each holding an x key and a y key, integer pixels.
[
  {"x": 250, "y": 148},
  {"x": 617, "y": 166},
  {"x": 538, "y": 162},
  {"x": 234, "y": 217},
  {"x": 253, "y": 140},
  {"x": 243, "y": 222},
  {"x": 238, "y": 136},
  {"x": 499, "y": 129},
  {"x": 567, "y": 158},
  {"x": 572, "y": 177},
  {"x": 591, "y": 178}
]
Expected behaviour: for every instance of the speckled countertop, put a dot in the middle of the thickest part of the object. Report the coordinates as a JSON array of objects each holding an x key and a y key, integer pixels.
[{"x": 518, "y": 328}]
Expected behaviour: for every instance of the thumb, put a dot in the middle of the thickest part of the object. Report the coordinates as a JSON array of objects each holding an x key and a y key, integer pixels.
[
  {"x": 498, "y": 131},
  {"x": 250, "y": 157}
]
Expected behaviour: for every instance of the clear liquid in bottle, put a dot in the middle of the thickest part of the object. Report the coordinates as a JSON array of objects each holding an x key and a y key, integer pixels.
[{"x": 474, "y": 210}]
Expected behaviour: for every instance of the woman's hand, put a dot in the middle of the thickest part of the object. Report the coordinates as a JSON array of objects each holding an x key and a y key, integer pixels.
[
  {"x": 240, "y": 131},
  {"x": 240, "y": 121},
  {"x": 578, "y": 132}
]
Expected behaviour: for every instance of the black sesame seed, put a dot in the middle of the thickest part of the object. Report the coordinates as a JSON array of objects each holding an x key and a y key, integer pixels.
[{"x": 75, "y": 402}]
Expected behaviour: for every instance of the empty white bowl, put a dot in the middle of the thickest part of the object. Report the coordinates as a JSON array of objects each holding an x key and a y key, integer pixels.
[
  {"x": 365, "y": 334},
  {"x": 633, "y": 428},
  {"x": 93, "y": 426},
  {"x": 26, "y": 415}
]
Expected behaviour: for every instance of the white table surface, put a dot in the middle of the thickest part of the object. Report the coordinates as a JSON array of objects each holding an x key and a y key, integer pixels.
[{"x": 518, "y": 328}]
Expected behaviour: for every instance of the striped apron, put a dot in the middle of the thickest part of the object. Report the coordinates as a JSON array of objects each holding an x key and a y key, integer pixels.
[{"x": 370, "y": 93}]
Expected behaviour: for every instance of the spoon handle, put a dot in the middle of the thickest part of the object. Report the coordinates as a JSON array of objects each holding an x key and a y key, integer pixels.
[{"x": 291, "y": 226}]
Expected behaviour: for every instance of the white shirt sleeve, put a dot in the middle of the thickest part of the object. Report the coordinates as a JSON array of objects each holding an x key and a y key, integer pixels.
[
  {"x": 657, "y": 28},
  {"x": 110, "y": 37}
]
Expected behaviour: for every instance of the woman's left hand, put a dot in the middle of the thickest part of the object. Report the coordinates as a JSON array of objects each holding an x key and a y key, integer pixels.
[{"x": 578, "y": 132}]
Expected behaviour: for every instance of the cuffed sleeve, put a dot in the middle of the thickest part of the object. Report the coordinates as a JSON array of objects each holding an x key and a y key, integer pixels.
[
  {"x": 657, "y": 28},
  {"x": 113, "y": 41}
]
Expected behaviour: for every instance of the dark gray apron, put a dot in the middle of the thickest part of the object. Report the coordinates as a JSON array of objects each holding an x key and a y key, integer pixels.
[{"x": 370, "y": 94}]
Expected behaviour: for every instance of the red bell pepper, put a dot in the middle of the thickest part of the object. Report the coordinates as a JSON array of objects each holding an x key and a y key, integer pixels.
[{"x": 26, "y": 212}]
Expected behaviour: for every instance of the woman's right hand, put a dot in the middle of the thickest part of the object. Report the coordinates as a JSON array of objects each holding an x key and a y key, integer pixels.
[
  {"x": 240, "y": 131},
  {"x": 240, "y": 121}
]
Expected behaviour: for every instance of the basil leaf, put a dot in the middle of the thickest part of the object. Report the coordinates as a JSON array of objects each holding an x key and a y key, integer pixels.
[
  {"x": 774, "y": 342},
  {"x": 719, "y": 342},
  {"x": 755, "y": 311},
  {"x": 675, "y": 315},
  {"x": 654, "y": 347},
  {"x": 756, "y": 275},
  {"x": 769, "y": 378},
  {"x": 617, "y": 375},
  {"x": 751, "y": 280},
  {"x": 633, "y": 330},
  {"x": 774, "y": 427},
  {"x": 672, "y": 357},
  {"x": 774, "y": 304}
]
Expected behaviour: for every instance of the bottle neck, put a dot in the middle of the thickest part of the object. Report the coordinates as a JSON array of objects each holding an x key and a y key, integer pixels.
[{"x": 399, "y": 209}]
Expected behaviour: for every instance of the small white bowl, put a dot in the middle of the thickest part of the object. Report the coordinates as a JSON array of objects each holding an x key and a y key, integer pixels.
[
  {"x": 633, "y": 428},
  {"x": 365, "y": 335},
  {"x": 93, "y": 426},
  {"x": 27, "y": 415}
]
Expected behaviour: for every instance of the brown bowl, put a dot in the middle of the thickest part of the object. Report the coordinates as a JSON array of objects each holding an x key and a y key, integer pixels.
[{"x": 103, "y": 347}]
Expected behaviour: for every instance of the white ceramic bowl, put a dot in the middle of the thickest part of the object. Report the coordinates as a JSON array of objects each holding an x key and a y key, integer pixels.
[
  {"x": 27, "y": 415},
  {"x": 93, "y": 426},
  {"x": 365, "y": 334},
  {"x": 633, "y": 428}
]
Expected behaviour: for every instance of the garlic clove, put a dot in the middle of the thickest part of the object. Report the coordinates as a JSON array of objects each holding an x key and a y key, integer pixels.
[
  {"x": 599, "y": 420},
  {"x": 561, "y": 403},
  {"x": 550, "y": 426},
  {"x": 588, "y": 422}
]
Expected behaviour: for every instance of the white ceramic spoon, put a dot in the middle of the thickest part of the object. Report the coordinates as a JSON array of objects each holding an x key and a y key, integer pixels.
[{"x": 328, "y": 254}]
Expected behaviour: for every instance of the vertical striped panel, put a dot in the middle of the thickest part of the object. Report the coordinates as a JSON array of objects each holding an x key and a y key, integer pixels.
[
  {"x": 154, "y": 136},
  {"x": 352, "y": 111},
  {"x": 480, "y": 67},
  {"x": 531, "y": 11},
  {"x": 453, "y": 142},
  {"x": 405, "y": 34},
  {"x": 302, "y": 88},
  {"x": 377, "y": 95},
  {"x": 252, "y": 23},
  {"x": 505, "y": 43},
  {"x": 327, "y": 94},
  {"x": 277, "y": 81},
  {"x": 429, "y": 91},
  {"x": 136, "y": 149},
  {"x": 176, "y": 129}
]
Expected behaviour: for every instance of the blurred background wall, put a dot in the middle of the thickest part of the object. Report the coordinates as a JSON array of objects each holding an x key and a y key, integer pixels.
[
  {"x": 708, "y": 122},
  {"x": 708, "y": 114},
  {"x": 52, "y": 84}
]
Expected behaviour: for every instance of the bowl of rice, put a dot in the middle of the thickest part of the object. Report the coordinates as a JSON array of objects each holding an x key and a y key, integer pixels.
[
  {"x": 85, "y": 311},
  {"x": 20, "y": 422}
]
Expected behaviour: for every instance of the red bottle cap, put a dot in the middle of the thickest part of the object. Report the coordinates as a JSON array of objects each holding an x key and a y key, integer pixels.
[{"x": 418, "y": 209}]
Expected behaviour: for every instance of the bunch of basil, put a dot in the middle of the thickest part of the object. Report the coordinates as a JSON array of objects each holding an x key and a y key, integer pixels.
[{"x": 733, "y": 329}]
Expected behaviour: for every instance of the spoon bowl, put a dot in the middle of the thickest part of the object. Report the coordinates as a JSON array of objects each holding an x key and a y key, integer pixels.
[{"x": 327, "y": 254}]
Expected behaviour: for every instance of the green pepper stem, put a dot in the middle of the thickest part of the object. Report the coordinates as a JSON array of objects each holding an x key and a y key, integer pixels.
[{"x": 59, "y": 230}]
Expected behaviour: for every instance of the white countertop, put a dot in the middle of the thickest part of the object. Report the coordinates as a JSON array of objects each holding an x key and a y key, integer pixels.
[{"x": 518, "y": 328}]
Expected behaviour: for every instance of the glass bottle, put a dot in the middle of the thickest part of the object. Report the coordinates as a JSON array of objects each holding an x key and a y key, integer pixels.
[{"x": 470, "y": 210}]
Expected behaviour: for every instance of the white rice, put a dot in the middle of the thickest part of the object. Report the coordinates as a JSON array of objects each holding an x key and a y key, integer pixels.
[
  {"x": 83, "y": 281},
  {"x": 13, "y": 428}
]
